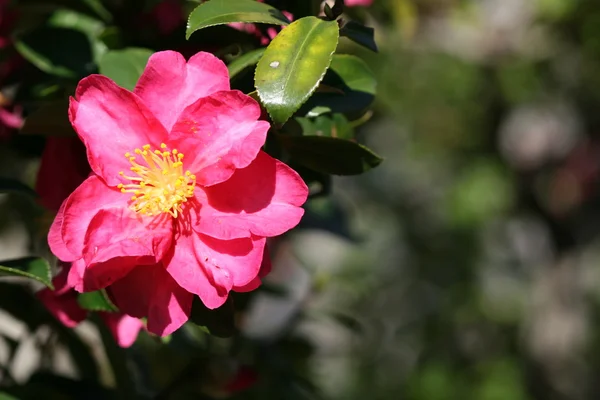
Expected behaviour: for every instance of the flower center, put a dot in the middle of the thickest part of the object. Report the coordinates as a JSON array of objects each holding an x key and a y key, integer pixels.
[{"x": 159, "y": 184}]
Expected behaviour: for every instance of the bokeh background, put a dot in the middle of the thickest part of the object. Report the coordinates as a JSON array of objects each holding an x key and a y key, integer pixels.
[{"x": 465, "y": 266}]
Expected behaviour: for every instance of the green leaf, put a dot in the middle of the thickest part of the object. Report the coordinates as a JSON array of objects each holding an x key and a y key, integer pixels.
[
  {"x": 96, "y": 301},
  {"x": 57, "y": 51},
  {"x": 330, "y": 155},
  {"x": 244, "y": 61},
  {"x": 356, "y": 83},
  {"x": 50, "y": 119},
  {"x": 6, "y": 396},
  {"x": 125, "y": 66},
  {"x": 363, "y": 35},
  {"x": 219, "y": 12},
  {"x": 13, "y": 186},
  {"x": 219, "y": 321},
  {"x": 30, "y": 267},
  {"x": 336, "y": 126},
  {"x": 89, "y": 26},
  {"x": 294, "y": 64}
]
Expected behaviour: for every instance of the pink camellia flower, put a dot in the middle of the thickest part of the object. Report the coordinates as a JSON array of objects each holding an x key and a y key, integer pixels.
[
  {"x": 181, "y": 198},
  {"x": 62, "y": 303}
]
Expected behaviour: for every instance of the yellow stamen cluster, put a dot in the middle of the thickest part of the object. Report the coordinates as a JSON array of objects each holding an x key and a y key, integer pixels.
[{"x": 159, "y": 186}]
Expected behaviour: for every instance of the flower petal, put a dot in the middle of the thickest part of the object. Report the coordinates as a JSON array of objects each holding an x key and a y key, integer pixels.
[
  {"x": 112, "y": 121},
  {"x": 75, "y": 278},
  {"x": 90, "y": 197},
  {"x": 265, "y": 269},
  {"x": 117, "y": 240},
  {"x": 55, "y": 239},
  {"x": 125, "y": 329},
  {"x": 169, "y": 84},
  {"x": 210, "y": 267},
  {"x": 219, "y": 134},
  {"x": 62, "y": 302},
  {"x": 185, "y": 266},
  {"x": 149, "y": 291},
  {"x": 262, "y": 199},
  {"x": 63, "y": 167}
]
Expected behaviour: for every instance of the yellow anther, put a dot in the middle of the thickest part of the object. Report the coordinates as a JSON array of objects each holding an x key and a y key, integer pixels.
[{"x": 158, "y": 185}]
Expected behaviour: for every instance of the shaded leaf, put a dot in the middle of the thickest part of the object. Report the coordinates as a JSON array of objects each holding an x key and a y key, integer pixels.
[
  {"x": 96, "y": 301},
  {"x": 219, "y": 322},
  {"x": 57, "y": 51},
  {"x": 357, "y": 85},
  {"x": 89, "y": 26},
  {"x": 6, "y": 396},
  {"x": 50, "y": 119},
  {"x": 125, "y": 66},
  {"x": 244, "y": 61},
  {"x": 219, "y": 12},
  {"x": 30, "y": 267},
  {"x": 363, "y": 35},
  {"x": 336, "y": 126},
  {"x": 294, "y": 64},
  {"x": 13, "y": 186},
  {"x": 330, "y": 155}
]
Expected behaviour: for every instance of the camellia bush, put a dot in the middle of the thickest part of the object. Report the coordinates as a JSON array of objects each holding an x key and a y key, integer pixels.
[{"x": 180, "y": 144}]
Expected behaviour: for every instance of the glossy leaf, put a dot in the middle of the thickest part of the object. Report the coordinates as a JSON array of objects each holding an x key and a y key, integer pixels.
[
  {"x": 330, "y": 155},
  {"x": 363, "y": 35},
  {"x": 294, "y": 64},
  {"x": 244, "y": 61},
  {"x": 219, "y": 12},
  {"x": 125, "y": 66},
  {"x": 30, "y": 267},
  {"x": 96, "y": 301},
  {"x": 356, "y": 83},
  {"x": 13, "y": 186},
  {"x": 50, "y": 119}
]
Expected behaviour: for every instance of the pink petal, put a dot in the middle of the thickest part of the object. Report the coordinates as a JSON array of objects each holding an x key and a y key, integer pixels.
[
  {"x": 63, "y": 167},
  {"x": 125, "y": 329},
  {"x": 55, "y": 238},
  {"x": 149, "y": 291},
  {"x": 112, "y": 121},
  {"x": 62, "y": 302},
  {"x": 219, "y": 134},
  {"x": 353, "y": 3},
  {"x": 90, "y": 197},
  {"x": 262, "y": 199},
  {"x": 119, "y": 239},
  {"x": 265, "y": 269},
  {"x": 169, "y": 84},
  {"x": 210, "y": 267},
  {"x": 75, "y": 278},
  {"x": 185, "y": 266}
]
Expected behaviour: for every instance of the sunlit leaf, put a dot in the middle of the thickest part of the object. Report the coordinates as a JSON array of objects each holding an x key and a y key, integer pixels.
[
  {"x": 294, "y": 64},
  {"x": 219, "y": 12}
]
